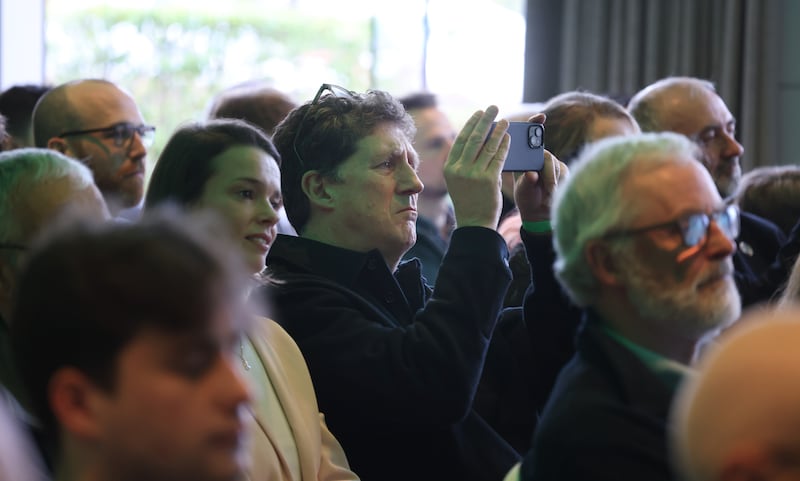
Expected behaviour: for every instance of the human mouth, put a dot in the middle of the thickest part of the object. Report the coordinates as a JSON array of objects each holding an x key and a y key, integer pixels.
[
  {"x": 230, "y": 439},
  {"x": 135, "y": 174},
  {"x": 261, "y": 241},
  {"x": 722, "y": 273}
]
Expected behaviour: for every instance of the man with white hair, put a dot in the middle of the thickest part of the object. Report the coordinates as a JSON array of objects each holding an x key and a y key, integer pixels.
[
  {"x": 36, "y": 187},
  {"x": 643, "y": 244},
  {"x": 737, "y": 419}
]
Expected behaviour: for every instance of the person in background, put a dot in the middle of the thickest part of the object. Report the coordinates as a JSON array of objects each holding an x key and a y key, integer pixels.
[
  {"x": 772, "y": 193},
  {"x": 433, "y": 140},
  {"x": 38, "y": 188},
  {"x": 96, "y": 122},
  {"x": 231, "y": 168},
  {"x": 16, "y": 104}
]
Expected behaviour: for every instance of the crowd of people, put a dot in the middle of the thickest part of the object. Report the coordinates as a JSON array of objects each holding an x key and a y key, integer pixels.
[{"x": 346, "y": 288}]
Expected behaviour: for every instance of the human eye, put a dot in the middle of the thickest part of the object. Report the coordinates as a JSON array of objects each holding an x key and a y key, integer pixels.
[
  {"x": 707, "y": 135},
  {"x": 386, "y": 164},
  {"x": 248, "y": 194},
  {"x": 194, "y": 362},
  {"x": 436, "y": 144},
  {"x": 276, "y": 202}
]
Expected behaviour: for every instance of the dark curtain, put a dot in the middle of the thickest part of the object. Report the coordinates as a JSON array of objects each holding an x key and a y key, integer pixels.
[{"x": 616, "y": 47}]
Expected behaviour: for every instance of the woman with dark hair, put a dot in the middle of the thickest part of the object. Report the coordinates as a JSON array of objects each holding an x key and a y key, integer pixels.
[{"x": 231, "y": 168}]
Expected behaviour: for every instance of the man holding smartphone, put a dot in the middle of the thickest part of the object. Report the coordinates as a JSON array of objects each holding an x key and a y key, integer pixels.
[{"x": 395, "y": 364}]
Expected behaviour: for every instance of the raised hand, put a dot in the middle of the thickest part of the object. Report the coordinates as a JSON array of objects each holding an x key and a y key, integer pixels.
[{"x": 472, "y": 170}]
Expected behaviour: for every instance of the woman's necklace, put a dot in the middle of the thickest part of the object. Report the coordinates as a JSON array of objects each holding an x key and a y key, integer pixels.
[{"x": 245, "y": 364}]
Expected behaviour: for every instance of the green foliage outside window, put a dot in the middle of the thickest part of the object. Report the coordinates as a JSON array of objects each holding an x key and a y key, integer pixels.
[{"x": 174, "y": 61}]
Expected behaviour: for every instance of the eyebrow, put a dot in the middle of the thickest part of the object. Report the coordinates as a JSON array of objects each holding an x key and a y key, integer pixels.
[{"x": 249, "y": 180}]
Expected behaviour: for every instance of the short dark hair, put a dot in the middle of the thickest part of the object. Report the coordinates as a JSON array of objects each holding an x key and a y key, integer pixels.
[
  {"x": 89, "y": 290},
  {"x": 260, "y": 105},
  {"x": 569, "y": 116},
  {"x": 772, "y": 192},
  {"x": 330, "y": 130},
  {"x": 419, "y": 100},
  {"x": 184, "y": 166},
  {"x": 17, "y": 104}
]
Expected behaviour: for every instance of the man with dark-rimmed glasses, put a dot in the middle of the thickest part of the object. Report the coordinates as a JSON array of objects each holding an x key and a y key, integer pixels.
[
  {"x": 98, "y": 123},
  {"x": 395, "y": 364}
]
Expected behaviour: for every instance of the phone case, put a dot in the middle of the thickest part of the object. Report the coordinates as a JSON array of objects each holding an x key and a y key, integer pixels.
[{"x": 526, "y": 152}]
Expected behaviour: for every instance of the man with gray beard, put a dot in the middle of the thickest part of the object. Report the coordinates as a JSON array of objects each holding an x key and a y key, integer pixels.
[
  {"x": 692, "y": 107},
  {"x": 643, "y": 244}
]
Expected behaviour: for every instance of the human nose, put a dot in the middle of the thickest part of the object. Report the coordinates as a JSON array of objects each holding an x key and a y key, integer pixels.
[
  {"x": 136, "y": 147},
  {"x": 732, "y": 148},
  {"x": 719, "y": 243},
  {"x": 234, "y": 389},
  {"x": 410, "y": 182},
  {"x": 267, "y": 213}
]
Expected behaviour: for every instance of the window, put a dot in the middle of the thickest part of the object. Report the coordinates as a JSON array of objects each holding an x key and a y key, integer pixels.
[{"x": 175, "y": 55}]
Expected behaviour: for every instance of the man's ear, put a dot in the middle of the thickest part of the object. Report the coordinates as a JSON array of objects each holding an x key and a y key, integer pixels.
[
  {"x": 317, "y": 188},
  {"x": 59, "y": 144},
  {"x": 76, "y": 403},
  {"x": 602, "y": 262}
]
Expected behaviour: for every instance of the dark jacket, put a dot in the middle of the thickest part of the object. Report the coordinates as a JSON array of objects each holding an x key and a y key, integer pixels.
[
  {"x": 763, "y": 258},
  {"x": 606, "y": 418},
  {"x": 528, "y": 350},
  {"x": 395, "y": 366}
]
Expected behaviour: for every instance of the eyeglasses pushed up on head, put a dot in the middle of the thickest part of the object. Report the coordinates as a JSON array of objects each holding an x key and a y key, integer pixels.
[
  {"x": 693, "y": 227},
  {"x": 122, "y": 133},
  {"x": 334, "y": 90}
]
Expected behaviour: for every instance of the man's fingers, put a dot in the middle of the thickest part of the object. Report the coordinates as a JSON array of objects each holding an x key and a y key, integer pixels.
[{"x": 461, "y": 140}]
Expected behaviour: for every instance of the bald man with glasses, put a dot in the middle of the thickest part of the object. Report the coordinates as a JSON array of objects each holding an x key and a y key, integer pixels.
[{"x": 98, "y": 123}]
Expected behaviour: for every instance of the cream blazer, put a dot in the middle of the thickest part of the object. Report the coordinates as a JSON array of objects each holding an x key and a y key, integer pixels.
[{"x": 321, "y": 456}]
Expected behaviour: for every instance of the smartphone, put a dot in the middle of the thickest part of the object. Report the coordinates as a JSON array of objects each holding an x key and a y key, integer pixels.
[{"x": 526, "y": 152}]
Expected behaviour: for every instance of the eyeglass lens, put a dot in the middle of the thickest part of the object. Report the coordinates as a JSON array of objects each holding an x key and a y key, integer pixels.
[{"x": 698, "y": 224}]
